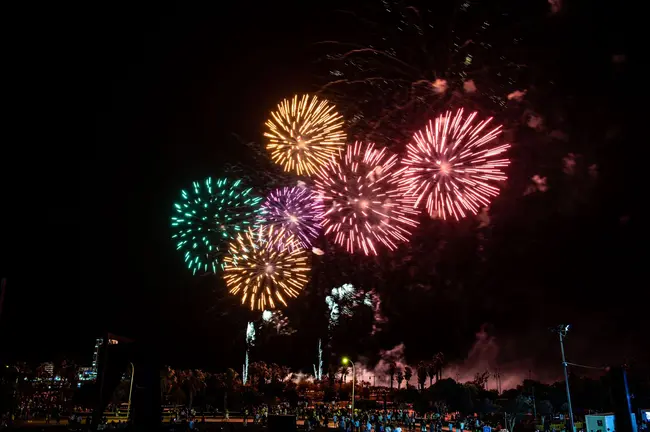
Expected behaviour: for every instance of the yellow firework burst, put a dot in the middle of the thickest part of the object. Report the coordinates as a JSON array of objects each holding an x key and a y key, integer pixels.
[
  {"x": 303, "y": 133},
  {"x": 264, "y": 276}
]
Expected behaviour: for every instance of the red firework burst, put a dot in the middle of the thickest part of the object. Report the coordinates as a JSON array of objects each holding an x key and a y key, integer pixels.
[
  {"x": 362, "y": 201},
  {"x": 451, "y": 165}
]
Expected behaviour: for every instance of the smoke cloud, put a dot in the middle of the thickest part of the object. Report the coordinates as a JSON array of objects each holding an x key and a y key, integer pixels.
[{"x": 486, "y": 354}]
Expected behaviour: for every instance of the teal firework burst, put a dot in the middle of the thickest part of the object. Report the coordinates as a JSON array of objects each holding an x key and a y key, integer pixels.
[{"x": 208, "y": 216}]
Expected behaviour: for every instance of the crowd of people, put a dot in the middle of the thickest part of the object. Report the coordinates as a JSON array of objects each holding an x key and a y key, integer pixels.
[
  {"x": 41, "y": 404},
  {"x": 396, "y": 420},
  {"x": 313, "y": 418}
]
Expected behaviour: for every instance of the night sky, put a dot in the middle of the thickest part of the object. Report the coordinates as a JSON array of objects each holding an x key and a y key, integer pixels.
[{"x": 126, "y": 107}]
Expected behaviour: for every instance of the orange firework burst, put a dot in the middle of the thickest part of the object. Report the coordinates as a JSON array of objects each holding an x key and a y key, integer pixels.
[
  {"x": 304, "y": 133},
  {"x": 362, "y": 202},
  {"x": 452, "y": 164},
  {"x": 261, "y": 274}
]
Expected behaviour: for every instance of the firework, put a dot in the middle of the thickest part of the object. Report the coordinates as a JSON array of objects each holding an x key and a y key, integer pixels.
[
  {"x": 452, "y": 164},
  {"x": 262, "y": 275},
  {"x": 208, "y": 215},
  {"x": 292, "y": 213},
  {"x": 410, "y": 58},
  {"x": 362, "y": 201},
  {"x": 304, "y": 133}
]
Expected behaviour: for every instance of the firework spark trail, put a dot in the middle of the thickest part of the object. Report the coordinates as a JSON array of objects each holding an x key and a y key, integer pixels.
[
  {"x": 250, "y": 341},
  {"x": 261, "y": 274},
  {"x": 209, "y": 214},
  {"x": 451, "y": 164},
  {"x": 363, "y": 204},
  {"x": 318, "y": 371},
  {"x": 304, "y": 133},
  {"x": 276, "y": 320},
  {"x": 385, "y": 80},
  {"x": 292, "y": 213}
]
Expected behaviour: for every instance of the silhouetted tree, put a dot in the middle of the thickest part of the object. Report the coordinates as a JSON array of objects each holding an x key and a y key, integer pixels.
[
  {"x": 431, "y": 371},
  {"x": 392, "y": 370},
  {"x": 481, "y": 379},
  {"x": 400, "y": 377},
  {"x": 438, "y": 363},
  {"x": 422, "y": 374},
  {"x": 408, "y": 374}
]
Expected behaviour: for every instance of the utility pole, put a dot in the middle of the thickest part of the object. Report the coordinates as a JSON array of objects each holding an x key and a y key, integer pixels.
[{"x": 562, "y": 331}]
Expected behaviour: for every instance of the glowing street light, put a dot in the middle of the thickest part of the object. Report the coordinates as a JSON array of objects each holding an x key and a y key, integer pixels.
[{"x": 345, "y": 361}]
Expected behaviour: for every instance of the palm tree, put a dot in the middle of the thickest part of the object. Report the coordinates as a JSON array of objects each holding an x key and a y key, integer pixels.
[
  {"x": 400, "y": 377},
  {"x": 408, "y": 374},
  {"x": 231, "y": 378},
  {"x": 439, "y": 360},
  {"x": 193, "y": 381},
  {"x": 431, "y": 371},
  {"x": 274, "y": 372},
  {"x": 481, "y": 379},
  {"x": 392, "y": 369},
  {"x": 278, "y": 373},
  {"x": 422, "y": 374},
  {"x": 227, "y": 381},
  {"x": 344, "y": 373},
  {"x": 331, "y": 375},
  {"x": 260, "y": 371},
  {"x": 168, "y": 381},
  {"x": 285, "y": 372}
]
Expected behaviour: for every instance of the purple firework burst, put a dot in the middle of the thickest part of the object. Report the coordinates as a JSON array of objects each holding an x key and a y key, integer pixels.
[{"x": 292, "y": 213}]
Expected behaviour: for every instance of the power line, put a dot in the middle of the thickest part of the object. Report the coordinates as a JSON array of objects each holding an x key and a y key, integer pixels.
[{"x": 588, "y": 367}]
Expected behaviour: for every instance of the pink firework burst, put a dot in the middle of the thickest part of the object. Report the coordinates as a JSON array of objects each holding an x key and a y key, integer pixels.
[
  {"x": 362, "y": 200},
  {"x": 452, "y": 165},
  {"x": 292, "y": 213}
]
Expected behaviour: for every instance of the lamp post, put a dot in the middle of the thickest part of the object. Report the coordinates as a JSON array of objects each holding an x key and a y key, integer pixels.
[
  {"x": 128, "y": 410},
  {"x": 345, "y": 361},
  {"x": 562, "y": 330}
]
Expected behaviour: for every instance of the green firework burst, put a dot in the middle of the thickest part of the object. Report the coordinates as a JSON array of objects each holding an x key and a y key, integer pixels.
[{"x": 208, "y": 216}]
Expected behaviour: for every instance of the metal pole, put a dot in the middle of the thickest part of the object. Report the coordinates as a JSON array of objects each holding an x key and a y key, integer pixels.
[
  {"x": 128, "y": 410},
  {"x": 566, "y": 380},
  {"x": 354, "y": 374}
]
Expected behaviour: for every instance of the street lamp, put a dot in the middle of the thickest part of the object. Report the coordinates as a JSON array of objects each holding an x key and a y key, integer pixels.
[
  {"x": 128, "y": 410},
  {"x": 562, "y": 330},
  {"x": 345, "y": 361}
]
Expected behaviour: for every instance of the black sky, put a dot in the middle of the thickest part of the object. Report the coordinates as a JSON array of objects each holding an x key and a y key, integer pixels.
[{"x": 125, "y": 107}]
